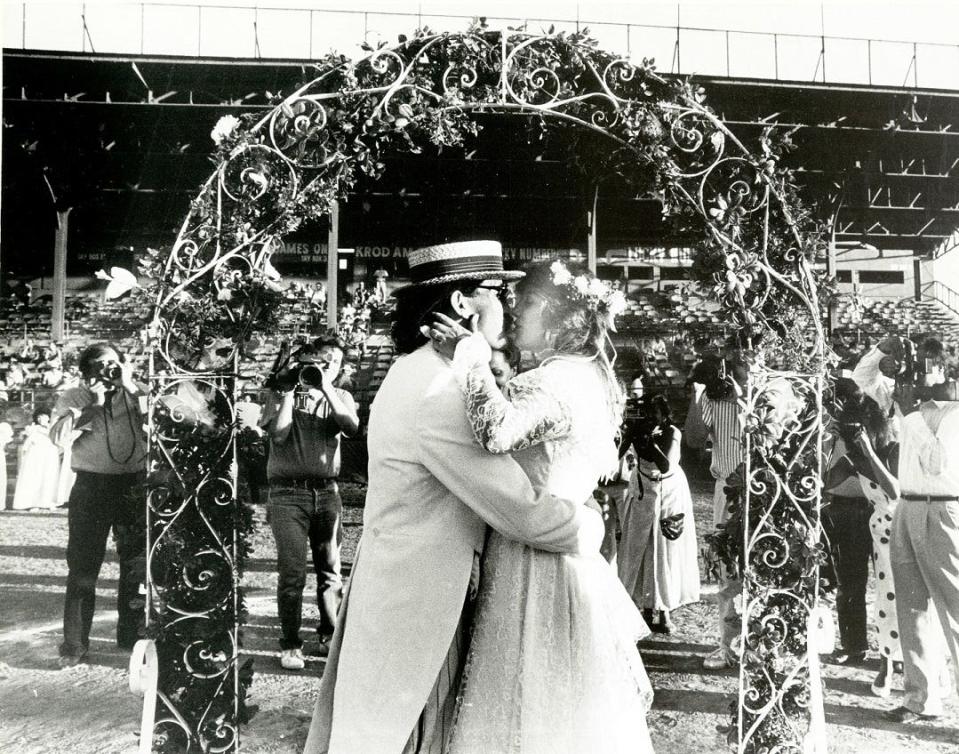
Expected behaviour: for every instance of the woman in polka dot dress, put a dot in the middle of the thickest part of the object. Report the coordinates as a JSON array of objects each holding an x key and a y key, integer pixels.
[{"x": 884, "y": 609}]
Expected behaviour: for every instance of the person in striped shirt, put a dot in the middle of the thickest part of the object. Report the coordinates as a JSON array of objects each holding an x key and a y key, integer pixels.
[{"x": 720, "y": 409}]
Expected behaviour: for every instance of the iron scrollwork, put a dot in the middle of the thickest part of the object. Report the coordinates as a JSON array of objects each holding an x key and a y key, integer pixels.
[{"x": 754, "y": 257}]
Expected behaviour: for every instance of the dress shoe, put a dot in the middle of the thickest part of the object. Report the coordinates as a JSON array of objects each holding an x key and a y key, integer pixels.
[
  {"x": 69, "y": 661},
  {"x": 719, "y": 659},
  {"x": 905, "y": 715},
  {"x": 842, "y": 657}
]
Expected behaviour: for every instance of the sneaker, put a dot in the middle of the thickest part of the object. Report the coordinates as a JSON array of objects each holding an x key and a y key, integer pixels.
[
  {"x": 292, "y": 659},
  {"x": 719, "y": 659}
]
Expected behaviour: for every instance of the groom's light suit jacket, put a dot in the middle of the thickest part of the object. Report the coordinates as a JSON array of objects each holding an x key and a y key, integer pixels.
[{"x": 432, "y": 490}]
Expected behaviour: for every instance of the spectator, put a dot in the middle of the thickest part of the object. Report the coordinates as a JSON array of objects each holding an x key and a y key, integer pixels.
[
  {"x": 251, "y": 447},
  {"x": 658, "y": 560},
  {"x": 39, "y": 466},
  {"x": 720, "y": 411},
  {"x": 504, "y": 365},
  {"x": 6, "y": 437},
  {"x": 380, "y": 275},
  {"x": 925, "y": 548},
  {"x": 109, "y": 453}
]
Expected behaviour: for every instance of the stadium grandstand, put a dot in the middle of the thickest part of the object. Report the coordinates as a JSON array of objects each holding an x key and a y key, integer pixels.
[{"x": 107, "y": 138}]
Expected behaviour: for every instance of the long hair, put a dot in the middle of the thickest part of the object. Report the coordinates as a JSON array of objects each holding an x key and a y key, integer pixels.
[
  {"x": 415, "y": 307},
  {"x": 577, "y": 329}
]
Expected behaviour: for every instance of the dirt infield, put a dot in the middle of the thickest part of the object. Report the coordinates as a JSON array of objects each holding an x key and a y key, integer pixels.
[{"x": 88, "y": 709}]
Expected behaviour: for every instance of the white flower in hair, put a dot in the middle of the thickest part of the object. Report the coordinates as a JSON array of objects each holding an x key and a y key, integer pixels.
[
  {"x": 581, "y": 283},
  {"x": 561, "y": 276},
  {"x": 597, "y": 288},
  {"x": 224, "y": 129},
  {"x": 616, "y": 304}
]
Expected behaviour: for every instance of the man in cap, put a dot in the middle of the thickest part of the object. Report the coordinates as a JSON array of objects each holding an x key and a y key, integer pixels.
[{"x": 396, "y": 657}]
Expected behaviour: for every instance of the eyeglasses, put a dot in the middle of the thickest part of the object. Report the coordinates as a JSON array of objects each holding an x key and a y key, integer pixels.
[{"x": 503, "y": 291}]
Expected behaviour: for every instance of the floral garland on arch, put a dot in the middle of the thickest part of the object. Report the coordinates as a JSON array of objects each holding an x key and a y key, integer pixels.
[{"x": 620, "y": 121}]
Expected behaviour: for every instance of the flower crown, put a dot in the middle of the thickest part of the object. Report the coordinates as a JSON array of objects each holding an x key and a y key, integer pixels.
[{"x": 596, "y": 294}]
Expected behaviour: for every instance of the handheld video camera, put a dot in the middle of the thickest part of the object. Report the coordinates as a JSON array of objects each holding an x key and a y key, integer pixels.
[{"x": 293, "y": 370}]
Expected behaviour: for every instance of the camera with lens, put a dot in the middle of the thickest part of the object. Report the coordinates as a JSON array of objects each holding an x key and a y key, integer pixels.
[
  {"x": 635, "y": 410},
  {"x": 110, "y": 372},
  {"x": 921, "y": 370},
  {"x": 309, "y": 375},
  {"x": 848, "y": 430}
]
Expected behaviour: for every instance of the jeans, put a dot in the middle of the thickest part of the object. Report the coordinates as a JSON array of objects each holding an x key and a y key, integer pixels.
[
  {"x": 846, "y": 521},
  {"x": 300, "y": 517},
  {"x": 99, "y": 503}
]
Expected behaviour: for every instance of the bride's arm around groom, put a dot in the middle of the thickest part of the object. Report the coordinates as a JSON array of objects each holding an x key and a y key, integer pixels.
[{"x": 432, "y": 491}]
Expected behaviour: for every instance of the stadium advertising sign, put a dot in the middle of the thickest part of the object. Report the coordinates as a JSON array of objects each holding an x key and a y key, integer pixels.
[{"x": 309, "y": 257}]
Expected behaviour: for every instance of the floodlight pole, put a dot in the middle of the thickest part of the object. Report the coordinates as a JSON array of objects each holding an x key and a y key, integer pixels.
[
  {"x": 332, "y": 266},
  {"x": 57, "y": 316},
  {"x": 591, "y": 239}
]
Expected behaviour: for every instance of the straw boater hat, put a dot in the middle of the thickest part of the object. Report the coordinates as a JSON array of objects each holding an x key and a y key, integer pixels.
[{"x": 464, "y": 260}]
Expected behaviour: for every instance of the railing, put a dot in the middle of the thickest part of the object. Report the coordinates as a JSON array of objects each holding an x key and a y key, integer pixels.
[
  {"x": 943, "y": 294},
  {"x": 304, "y": 34}
]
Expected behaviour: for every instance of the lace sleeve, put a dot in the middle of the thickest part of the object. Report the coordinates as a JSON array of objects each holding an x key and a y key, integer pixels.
[{"x": 534, "y": 414}]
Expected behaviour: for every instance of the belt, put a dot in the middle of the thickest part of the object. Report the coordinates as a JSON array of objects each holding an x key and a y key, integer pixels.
[
  {"x": 931, "y": 498},
  {"x": 306, "y": 483}
]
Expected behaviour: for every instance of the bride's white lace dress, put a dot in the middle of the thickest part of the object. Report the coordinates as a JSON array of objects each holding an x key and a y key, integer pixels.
[{"x": 553, "y": 666}]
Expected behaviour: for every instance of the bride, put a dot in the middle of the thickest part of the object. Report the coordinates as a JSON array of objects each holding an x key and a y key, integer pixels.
[{"x": 553, "y": 665}]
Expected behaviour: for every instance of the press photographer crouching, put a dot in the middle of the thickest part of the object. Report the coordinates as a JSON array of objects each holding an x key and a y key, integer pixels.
[
  {"x": 104, "y": 416},
  {"x": 305, "y": 419}
]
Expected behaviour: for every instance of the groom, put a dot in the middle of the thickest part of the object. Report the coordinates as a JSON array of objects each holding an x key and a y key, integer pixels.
[{"x": 396, "y": 658}]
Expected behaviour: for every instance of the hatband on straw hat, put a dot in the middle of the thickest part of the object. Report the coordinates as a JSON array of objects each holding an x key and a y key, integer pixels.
[{"x": 461, "y": 260}]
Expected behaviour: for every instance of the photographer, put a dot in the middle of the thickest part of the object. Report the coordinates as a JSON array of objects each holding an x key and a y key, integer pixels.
[
  {"x": 104, "y": 415},
  {"x": 306, "y": 417},
  {"x": 897, "y": 373},
  {"x": 854, "y": 474}
]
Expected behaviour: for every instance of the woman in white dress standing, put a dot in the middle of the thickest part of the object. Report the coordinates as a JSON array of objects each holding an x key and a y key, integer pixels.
[
  {"x": 658, "y": 558},
  {"x": 553, "y": 666},
  {"x": 39, "y": 466}
]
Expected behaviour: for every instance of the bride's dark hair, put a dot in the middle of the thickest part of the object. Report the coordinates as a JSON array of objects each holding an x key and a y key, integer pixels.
[{"x": 577, "y": 325}]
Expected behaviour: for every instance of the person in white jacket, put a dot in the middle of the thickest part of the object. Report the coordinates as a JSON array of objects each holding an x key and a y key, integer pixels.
[{"x": 396, "y": 658}]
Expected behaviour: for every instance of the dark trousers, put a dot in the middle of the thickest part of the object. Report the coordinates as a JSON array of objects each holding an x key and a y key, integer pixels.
[
  {"x": 301, "y": 517},
  {"x": 846, "y": 521},
  {"x": 99, "y": 503}
]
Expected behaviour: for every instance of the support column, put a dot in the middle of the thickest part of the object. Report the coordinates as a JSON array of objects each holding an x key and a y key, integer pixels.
[
  {"x": 917, "y": 278},
  {"x": 332, "y": 267},
  {"x": 831, "y": 273},
  {"x": 60, "y": 275},
  {"x": 591, "y": 240}
]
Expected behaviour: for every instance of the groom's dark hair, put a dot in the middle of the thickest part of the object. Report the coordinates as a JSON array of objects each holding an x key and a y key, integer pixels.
[{"x": 416, "y": 306}]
